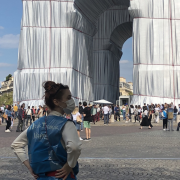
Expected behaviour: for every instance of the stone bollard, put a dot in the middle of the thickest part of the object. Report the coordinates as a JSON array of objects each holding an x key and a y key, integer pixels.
[
  {"x": 153, "y": 118},
  {"x": 112, "y": 118},
  {"x": 132, "y": 118},
  {"x": 178, "y": 119}
]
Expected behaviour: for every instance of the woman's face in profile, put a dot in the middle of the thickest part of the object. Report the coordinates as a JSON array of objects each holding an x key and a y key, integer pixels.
[{"x": 66, "y": 96}]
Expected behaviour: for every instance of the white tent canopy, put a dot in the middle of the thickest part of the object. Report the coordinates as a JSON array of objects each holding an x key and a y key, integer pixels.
[{"x": 102, "y": 101}]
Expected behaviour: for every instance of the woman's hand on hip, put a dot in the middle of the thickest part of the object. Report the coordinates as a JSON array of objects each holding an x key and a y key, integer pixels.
[
  {"x": 32, "y": 173},
  {"x": 64, "y": 172},
  {"x": 26, "y": 163}
]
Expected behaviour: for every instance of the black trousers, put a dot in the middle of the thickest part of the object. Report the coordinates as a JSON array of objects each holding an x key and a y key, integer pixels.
[
  {"x": 21, "y": 125},
  {"x": 165, "y": 123},
  {"x": 117, "y": 116},
  {"x": 8, "y": 123},
  {"x": 33, "y": 118},
  {"x": 136, "y": 118}
]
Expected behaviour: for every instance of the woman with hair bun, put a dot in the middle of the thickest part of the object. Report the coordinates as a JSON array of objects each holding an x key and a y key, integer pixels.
[{"x": 53, "y": 143}]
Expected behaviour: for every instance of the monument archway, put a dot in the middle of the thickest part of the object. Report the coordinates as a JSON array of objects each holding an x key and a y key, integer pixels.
[{"x": 74, "y": 42}]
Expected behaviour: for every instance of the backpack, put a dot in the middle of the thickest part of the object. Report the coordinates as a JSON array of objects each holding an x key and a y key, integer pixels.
[
  {"x": 80, "y": 109},
  {"x": 136, "y": 112},
  {"x": 33, "y": 112},
  {"x": 170, "y": 115}
]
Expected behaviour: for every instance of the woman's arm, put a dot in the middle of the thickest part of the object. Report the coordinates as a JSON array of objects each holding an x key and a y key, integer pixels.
[
  {"x": 73, "y": 148},
  {"x": 18, "y": 147},
  {"x": 72, "y": 143}
]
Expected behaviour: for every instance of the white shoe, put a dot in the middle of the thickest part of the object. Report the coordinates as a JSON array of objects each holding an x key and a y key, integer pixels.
[
  {"x": 80, "y": 139},
  {"x": 7, "y": 130}
]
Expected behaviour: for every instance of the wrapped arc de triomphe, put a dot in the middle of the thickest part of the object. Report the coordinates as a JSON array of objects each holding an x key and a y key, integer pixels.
[{"x": 79, "y": 43}]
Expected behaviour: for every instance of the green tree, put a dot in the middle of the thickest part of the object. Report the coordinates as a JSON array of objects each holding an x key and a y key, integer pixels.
[
  {"x": 8, "y": 77},
  {"x": 131, "y": 93},
  {"x": 6, "y": 98}
]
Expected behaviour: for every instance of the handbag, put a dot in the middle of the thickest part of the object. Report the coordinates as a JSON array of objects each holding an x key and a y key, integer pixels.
[
  {"x": 143, "y": 115},
  {"x": 78, "y": 119}
]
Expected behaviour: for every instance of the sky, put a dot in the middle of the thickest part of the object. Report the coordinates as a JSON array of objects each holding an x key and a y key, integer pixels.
[
  {"x": 126, "y": 62},
  {"x": 10, "y": 24},
  {"x": 10, "y": 21}
]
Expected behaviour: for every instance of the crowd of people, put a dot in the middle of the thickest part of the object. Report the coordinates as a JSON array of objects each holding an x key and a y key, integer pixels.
[
  {"x": 87, "y": 113},
  {"x": 166, "y": 112},
  {"x": 24, "y": 116},
  {"x": 54, "y": 141}
]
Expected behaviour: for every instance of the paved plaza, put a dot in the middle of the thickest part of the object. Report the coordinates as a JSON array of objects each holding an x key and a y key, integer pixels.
[{"x": 118, "y": 151}]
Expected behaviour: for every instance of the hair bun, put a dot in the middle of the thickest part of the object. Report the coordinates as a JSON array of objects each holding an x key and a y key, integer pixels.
[{"x": 49, "y": 85}]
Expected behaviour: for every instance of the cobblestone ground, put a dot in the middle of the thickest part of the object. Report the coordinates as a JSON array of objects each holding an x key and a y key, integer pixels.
[{"x": 114, "y": 153}]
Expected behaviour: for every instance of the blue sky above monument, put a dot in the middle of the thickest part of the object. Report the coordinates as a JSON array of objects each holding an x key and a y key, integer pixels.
[{"x": 10, "y": 24}]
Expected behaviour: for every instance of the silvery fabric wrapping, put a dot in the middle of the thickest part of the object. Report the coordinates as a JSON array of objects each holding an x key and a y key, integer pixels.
[
  {"x": 56, "y": 43},
  {"x": 108, "y": 51},
  {"x": 156, "y": 33},
  {"x": 79, "y": 43}
]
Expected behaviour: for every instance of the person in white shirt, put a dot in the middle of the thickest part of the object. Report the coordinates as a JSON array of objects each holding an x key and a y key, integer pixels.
[
  {"x": 106, "y": 115},
  {"x": 2, "y": 112},
  {"x": 29, "y": 116},
  {"x": 157, "y": 114},
  {"x": 75, "y": 115},
  {"x": 40, "y": 113},
  {"x": 98, "y": 112}
]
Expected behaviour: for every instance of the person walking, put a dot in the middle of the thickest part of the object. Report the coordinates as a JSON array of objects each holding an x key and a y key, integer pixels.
[
  {"x": 81, "y": 112},
  {"x": 170, "y": 112},
  {"x": 110, "y": 112},
  {"x": 124, "y": 112},
  {"x": 175, "y": 113},
  {"x": 149, "y": 119},
  {"x": 94, "y": 112},
  {"x": 75, "y": 116},
  {"x": 53, "y": 144},
  {"x": 116, "y": 111},
  {"x": 12, "y": 120},
  {"x": 2, "y": 111},
  {"x": 29, "y": 116},
  {"x": 15, "y": 111},
  {"x": 131, "y": 111},
  {"x": 87, "y": 119},
  {"x": 1, "y": 114},
  {"x": 40, "y": 112},
  {"x": 157, "y": 114},
  {"x": 127, "y": 113},
  {"x": 165, "y": 121},
  {"x": 145, "y": 121},
  {"x": 136, "y": 114},
  {"x": 144, "y": 107},
  {"x": 20, "y": 119},
  {"x": 106, "y": 115},
  {"x": 98, "y": 112},
  {"x": 179, "y": 110},
  {"x": 8, "y": 114},
  {"x": 33, "y": 113}
]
